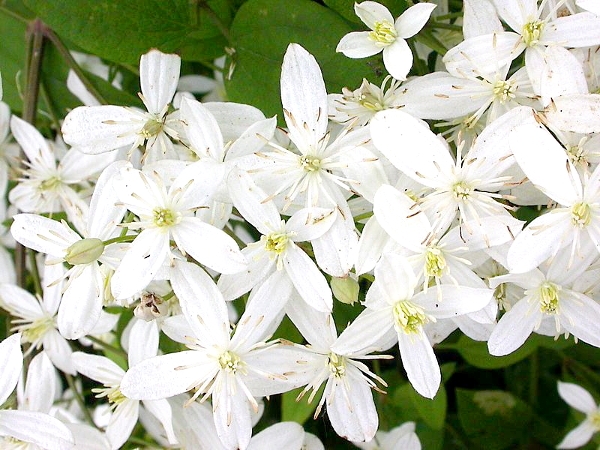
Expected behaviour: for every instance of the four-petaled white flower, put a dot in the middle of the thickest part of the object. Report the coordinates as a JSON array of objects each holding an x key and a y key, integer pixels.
[{"x": 387, "y": 35}]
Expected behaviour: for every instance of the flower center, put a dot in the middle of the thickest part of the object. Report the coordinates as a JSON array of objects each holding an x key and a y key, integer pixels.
[
  {"x": 549, "y": 298},
  {"x": 435, "y": 262},
  {"x": 230, "y": 362},
  {"x": 163, "y": 217},
  {"x": 532, "y": 32},
  {"x": 152, "y": 127},
  {"x": 594, "y": 419},
  {"x": 503, "y": 91},
  {"x": 383, "y": 34},
  {"x": 462, "y": 190},
  {"x": 113, "y": 393},
  {"x": 409, "y": 317},
  {"x": 276, "y": 242},
  {"x": 337, "y": 365},
  {"x": 500, "y": 296},
  {"x": 50, "y": 184},
  {"x": 35, "y": 330},
  {"x": 581, "y": 215},
  {"x": 310, "y": 163}
]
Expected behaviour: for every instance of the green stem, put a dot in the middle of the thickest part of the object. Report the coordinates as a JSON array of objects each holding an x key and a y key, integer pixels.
[
  {"x": 68, "y": 58},
  {"x": 109, "y": 347},
  {"x": 126, "y": 238},
  {"x": 35, "y": 273},
  {"x": 534, "y": 374},
  {"x": 80, "y": 400},
  {"x": 35, "y": 37},
  {"x": 13, "y": 14}
]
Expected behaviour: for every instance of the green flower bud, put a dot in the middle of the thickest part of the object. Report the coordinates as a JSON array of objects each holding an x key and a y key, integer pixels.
[
  {"x": 345, "y": 289},
  {"x": 84, "y": 251}
]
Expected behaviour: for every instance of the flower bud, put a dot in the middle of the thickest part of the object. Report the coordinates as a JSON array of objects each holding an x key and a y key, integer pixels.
[
  {"x": 151, "y": 307},
  {"x": 345, "y": 289},
  {"x": 84, "y": 251}
]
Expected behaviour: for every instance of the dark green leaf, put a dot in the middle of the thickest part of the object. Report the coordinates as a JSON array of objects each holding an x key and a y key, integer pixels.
[
  {"x": 122, "y": 32},
  {"x": 261, "y": 32}
]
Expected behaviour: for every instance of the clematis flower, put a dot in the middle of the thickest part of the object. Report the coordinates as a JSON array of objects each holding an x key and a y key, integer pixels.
[
  {"x": 580, "y": 399},
  {"x": 99, "y": 129},
  {"x": 386, "y": 35}
]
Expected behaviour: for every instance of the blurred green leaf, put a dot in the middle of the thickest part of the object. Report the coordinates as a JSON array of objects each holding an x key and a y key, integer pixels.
[
  {"x": 432, "y": 411},
  {"x": 492, "y": 420},
  {"x": 12, "y": 59},
  {"x": 346, "y": 8},
  {"x": 261, "y": 32},
  {"x": 476, "y": 353},
  {"x": 299, "y": 411}
]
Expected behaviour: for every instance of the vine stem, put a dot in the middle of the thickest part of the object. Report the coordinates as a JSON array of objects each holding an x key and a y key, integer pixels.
[{"x": 35, "y": 38}]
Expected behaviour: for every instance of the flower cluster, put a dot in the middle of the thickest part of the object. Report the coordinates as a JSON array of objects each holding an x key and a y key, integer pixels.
[{"x": 147, "y": 226}]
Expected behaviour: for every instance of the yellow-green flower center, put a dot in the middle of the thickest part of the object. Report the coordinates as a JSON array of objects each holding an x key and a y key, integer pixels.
[
  {"x": 503, "y": 91},
  {"x": 84, "y": 251},
  {"x": 276, "y": 242},
  {"x": 409, "y": 317},
  {"x": 113, "y": 393},
  {"x": 50, "y": 184},
  {"x": 163, "y": 217},
  {"x": 462, "y": 190},
  {"x": 549, "y": 301},
  {"x": 594, "y": 419},
  {"x": 383, "y": 33},
  {"x": 310, "y": 163},
  {"x": 532, "y": 32},
  {"x": 230, "y": 362},
  {"x": 151, "y": 128},
  {"x": 337, "y": 365},
  {"x": 581, "y": 214},
  {"x": 435, "y": 262},
  {"x": 34, "y": 331}
]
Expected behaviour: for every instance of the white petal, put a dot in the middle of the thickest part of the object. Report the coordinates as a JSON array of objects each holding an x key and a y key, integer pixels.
[
  {"x": 370, "y": 246},
  {"x": 202, "y": 129},
  {"x": 81, "y": 304},
  {"x": 202, "y": 303},
  {"x": 98, "y": 368},
  {"x": 304, "y": 97},
  {"x": 20, "y": 302},
  {"x": 480, "y": 17},
  {"x": 59, "y": 351},
  {"x": 105, "y": 212},
  {"x": 350, "y": 407},
  {"x": 99, "y": 129},
  {"x": 36, "y": 428},
  {"x": 578, "y": 436},
  {"x": 234, "y": 118},
  {"x": 122, "y": 422},
  {"x": 42, "y": 234},
  {"x": 372, "y": 12},
  {"x": 209, "y": 246},
  {"x": 249, "y": 198},
  {"x": 574, "y": 30},
  {"x": 357, "y": 45},
  {"x": 580, "y": 316},
  {"x": 317, "y": 327},
  {"x": 39, "y": 388},
  {"x": 513, "y": 328},
  {"x": 159, "y": 74},
  {"x": 34, "y": 145},
  {"x": 557, "y": 177},
  {"x": 414, "y": 19},
  {"x": 371, "y": 331},
  {"x": 398, "y": 59},
  {"x": 232, "y": 415},
  {"x": 143, "y": 341},
  {"x": 11, "y": 363},
  {"x": 259, "y": 266},
  {"x": 283, "y": 435},
  {"x": 419, "y": 361},
  {"x": 310, "y": 223},
  {"x": 167, "y": 375},
  {"x": 335, "y": 251},
  {"x": 577, "y": 113},
  {"x": 395, "y": 277},
  {"x": 401, "y": 218},
  {"x": 140, "y": 264},
  {"x": 308, "y": 280},
  {"x": 451, "y": 300},
  {"x": 394, "y": 132},
  {"x": 577, "y": 397}
]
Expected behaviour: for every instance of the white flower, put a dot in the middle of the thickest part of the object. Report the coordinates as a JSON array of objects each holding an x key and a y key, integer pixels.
[
  {"x": 402, "y": 437},
  {"x": 396, "y": 313},
  {"x": 386, "y": 35},
  {"x": 233, "y": 370},
  {"x": 580, "y": 399},
  {"x": 164, "y": 214},
  {"x": 99, "y": 129}
]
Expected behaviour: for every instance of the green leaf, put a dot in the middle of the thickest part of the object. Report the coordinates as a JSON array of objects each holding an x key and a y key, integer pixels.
[
  {"x": 122, "y": 32},
  {"x": 476, "y": 353},
  {"x": 494, "y": 420},
  {"x": 261, "y": 32},
  {"x": 299, "y": 411},
  {"x": 432, "y": 411},
  {"x": 12, "y": 59}
]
